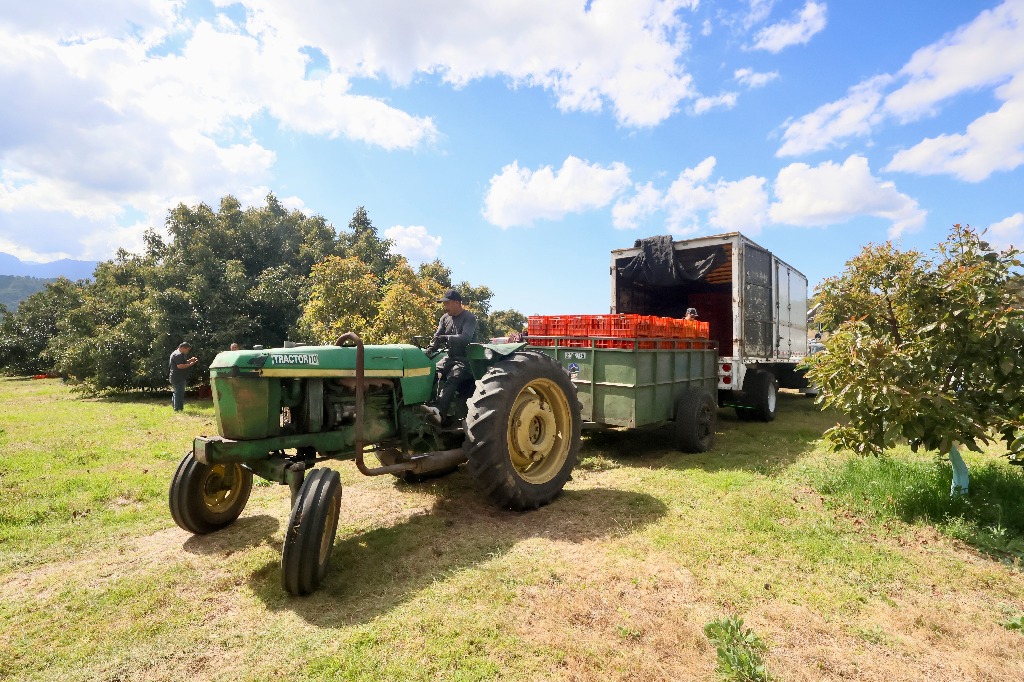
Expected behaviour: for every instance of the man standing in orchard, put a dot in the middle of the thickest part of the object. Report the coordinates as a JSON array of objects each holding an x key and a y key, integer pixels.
[{"x": 181, "y": 365}]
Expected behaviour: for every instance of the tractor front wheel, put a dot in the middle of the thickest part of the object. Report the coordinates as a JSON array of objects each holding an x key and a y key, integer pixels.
[
  {"x": 205, "y": 498},
  {"x": 309, "y": 537},
  {"x": 523, "y": 431}
]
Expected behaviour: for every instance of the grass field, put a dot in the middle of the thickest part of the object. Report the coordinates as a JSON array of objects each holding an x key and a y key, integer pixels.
[{"x": 845, "y": 568}]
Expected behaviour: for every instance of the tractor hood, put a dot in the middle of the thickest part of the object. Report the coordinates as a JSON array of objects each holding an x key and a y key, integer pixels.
[{"x": 397, "y": 361}]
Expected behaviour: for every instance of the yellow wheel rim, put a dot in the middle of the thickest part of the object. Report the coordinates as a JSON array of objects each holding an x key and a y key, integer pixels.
[
  {"x": 218, "y": 496},
  {"x": 539, "y": 431}
]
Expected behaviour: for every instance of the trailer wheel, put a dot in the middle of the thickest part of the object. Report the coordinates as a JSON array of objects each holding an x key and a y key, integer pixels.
[
  {"x": 696, "y": 414},
  {"x": 523, "y": 431},
  {"x": 762, "y": 391},
  {"x": 205, "y": 498},
  {"x": 309, "y": 537}
]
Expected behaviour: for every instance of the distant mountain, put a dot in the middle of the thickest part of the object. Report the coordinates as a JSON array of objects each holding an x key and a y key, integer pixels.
[
  {"x": 72, "y": 269},
  {"x": 16, "y": 288}
]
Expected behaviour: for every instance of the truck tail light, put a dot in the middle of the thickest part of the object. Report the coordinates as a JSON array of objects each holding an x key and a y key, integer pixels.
[
  {"x": 727, "y": 367},
  {"x": 726, "y": 380}
]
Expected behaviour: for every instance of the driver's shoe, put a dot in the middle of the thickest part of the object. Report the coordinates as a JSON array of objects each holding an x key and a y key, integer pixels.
[{"x": 431, "y": 413}]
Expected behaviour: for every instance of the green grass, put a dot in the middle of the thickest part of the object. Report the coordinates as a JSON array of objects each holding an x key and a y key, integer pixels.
[
  {"x": 842, "y": 565},
  {"x": 916, "y": 490}
]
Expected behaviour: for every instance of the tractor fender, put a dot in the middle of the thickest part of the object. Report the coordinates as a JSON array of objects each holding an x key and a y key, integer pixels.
[{"x": 481, "y": 356}]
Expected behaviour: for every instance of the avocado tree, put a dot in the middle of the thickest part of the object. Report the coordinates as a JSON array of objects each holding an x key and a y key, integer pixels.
[{"x": 925, "y": 350}]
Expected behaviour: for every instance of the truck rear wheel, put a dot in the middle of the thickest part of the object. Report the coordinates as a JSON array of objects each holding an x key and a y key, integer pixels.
[
  {"x": 523, "y": 431},
  {"x": 696, "y": 414},
  {"x": 309, "y": 537},
  {"x": 205, "y": 498},
  {"x": 761, "y": 394}
]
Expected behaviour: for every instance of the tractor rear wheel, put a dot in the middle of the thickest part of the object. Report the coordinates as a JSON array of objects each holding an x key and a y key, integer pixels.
[
  {"x": 696, "y": 413},
  {"x": 523, "y": 431},
  {"x": 309, "y": 537},
  {"x": 205, "y": 498}
]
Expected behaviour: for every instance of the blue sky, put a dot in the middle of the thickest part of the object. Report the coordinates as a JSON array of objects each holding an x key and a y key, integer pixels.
[{"x": 518, "y": 141}]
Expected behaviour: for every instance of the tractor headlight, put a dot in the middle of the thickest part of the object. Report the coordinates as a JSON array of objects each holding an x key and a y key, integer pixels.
[{"x": 489, "y": 354}]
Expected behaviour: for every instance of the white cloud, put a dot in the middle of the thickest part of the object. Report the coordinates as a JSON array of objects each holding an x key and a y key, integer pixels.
[
  {"x": 414, "y": 242},
  {"x": 759, "y": 11},
  {"x": 993, "y": 142},
  {"x": 985, "y": 53},
  {"x": 624, "y": 54},
  {"x": 629, "y": 212},
  {"x": 727, "y": 100},
  {"x": 831, "y": 124},
  {"x": 519, "y": 196},
  {"x": 693, "y": 202},
  {"x": 1007, "y": 233},
  {"x": 799, "y": 31},
  {"x": 126, "y": 111},
  {"x": 830, "y": 194},
  {"x": 106, "y": 127},
  {"x": 740, "y": 205},
  {"x": 753, "y": 79}
]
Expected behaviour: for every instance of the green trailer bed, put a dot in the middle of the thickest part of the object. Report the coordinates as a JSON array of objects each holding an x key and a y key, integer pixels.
[{"x": 635, "y": 386}]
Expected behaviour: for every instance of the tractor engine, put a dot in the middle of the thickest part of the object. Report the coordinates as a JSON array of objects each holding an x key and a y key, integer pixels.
[{"x": 285, "y": 393}]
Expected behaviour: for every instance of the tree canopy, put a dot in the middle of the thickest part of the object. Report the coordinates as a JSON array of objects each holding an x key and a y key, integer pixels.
[
  {"x": 924, "y": 350},
  {"x": 259, "y": 275}
]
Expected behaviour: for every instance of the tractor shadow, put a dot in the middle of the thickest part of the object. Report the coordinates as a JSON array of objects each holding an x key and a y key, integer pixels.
[
  {"x": 375, "y": 571},
  {"x": 760, "y": 447},
  {"x": 245, "y": 533}
]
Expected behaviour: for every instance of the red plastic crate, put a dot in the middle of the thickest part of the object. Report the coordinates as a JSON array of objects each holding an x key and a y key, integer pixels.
[
  {"x": 557, "y": 324},
  {"x": 601, "y": 325},
  {"x": 536, "y": 325},
  {"x": 577, "y": 325}
]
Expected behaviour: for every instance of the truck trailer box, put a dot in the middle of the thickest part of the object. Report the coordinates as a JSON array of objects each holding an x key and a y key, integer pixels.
[{"x": 754, "y": 302}]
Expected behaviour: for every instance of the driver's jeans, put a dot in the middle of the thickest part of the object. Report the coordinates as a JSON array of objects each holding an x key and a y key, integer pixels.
[{"x": 453, "y": 371}]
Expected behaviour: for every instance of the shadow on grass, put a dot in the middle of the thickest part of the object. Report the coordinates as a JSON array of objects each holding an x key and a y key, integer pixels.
[
  {"x": 375, "y": 571},
  {"x": 766, "y": 448},
  {"x": 246, "y": 532},
  {"x": 990, "y": 518}
]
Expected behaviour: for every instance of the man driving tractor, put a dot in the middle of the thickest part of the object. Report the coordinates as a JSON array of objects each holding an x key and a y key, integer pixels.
[{"x": 455, "y": 330}]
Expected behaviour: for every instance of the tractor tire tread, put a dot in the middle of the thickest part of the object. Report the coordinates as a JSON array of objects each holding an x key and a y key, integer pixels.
[{"x": 486, "y": 446}]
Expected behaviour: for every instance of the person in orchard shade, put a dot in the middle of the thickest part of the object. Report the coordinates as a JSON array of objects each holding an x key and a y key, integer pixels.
[{"x": 180, "y": 365}]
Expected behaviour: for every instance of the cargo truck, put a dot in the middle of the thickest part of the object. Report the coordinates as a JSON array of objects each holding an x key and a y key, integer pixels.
[{"x": 755, "y": 304}]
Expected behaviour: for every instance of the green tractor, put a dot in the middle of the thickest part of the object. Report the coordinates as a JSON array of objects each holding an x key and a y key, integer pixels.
[{"x": 282, "y": 411}]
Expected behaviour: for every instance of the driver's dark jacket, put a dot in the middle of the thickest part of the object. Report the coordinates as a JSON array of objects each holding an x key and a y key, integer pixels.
[{"x": 455, "y": 332}]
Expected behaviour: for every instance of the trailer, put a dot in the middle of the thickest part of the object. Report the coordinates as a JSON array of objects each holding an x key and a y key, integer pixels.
[
  {"x": 755, "y": 304},
  {"x": 642, "y": 382}
]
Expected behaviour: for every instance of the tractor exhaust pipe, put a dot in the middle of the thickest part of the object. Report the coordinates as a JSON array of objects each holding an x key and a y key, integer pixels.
[
  {"x": 418, "y": 464},
  {"x": 360, "y": 389}
]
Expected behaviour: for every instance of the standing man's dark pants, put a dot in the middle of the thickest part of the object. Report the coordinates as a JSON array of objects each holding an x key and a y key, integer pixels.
[
  {"x": 178, "y": 393},
  {"x": 453, "y": 372}
]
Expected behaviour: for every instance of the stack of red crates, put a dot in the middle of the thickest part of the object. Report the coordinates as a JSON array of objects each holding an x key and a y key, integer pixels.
[{"x": 614, "y": 331}]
